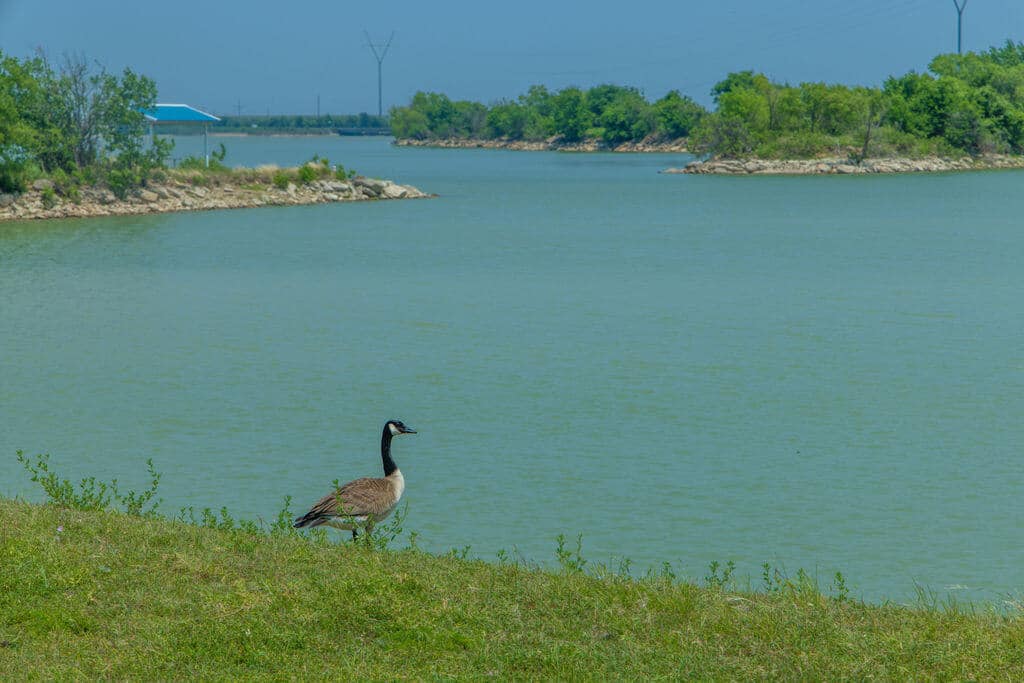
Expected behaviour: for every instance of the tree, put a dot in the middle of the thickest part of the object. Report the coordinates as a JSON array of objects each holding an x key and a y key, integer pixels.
[
  {"x": 408, "y": 123},
  {"x": 470, "y": 119},
  {"x": 870, "y": 107},
  {"x": 677, "y": 115},
  {"x": 733, "y": 81},
  {"x": 507, "y": 120},
  {"x": 621, "y": 113},
  {"x": 722, "y": 136},
  {"x": 570, "y": 115}
]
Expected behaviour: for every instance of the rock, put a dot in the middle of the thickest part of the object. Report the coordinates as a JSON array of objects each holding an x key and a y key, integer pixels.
[
  {"x": 148, "y": 197},
  {"x": 338, "y": 186},
  {"x": 107, "y": 197},
  {"x": 393, "y": 191},
  {"x": 372, "y": 186},
  {"x": 42, "y": 184},
  {"x": 161, "y": 191},
  {"x": 6, "y": 199},
  {"x": 200, "y": 192}
]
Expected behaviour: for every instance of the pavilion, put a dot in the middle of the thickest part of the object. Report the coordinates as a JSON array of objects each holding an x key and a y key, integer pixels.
[{"x": 181, "y": 114}]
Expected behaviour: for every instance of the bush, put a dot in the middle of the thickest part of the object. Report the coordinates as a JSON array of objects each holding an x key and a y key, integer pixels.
[
  {"x": 281, "y": 180},
  {"x": 121, "y": 180},
  {"x": 307, "y": 174},
  {"x": 14, "y": 168},
  {"x": 49, "y": 198},
  {"x": 801, "y": 145}
]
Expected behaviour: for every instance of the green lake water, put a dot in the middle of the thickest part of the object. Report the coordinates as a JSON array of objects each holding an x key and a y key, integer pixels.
[{"x": 823, "y": 373}]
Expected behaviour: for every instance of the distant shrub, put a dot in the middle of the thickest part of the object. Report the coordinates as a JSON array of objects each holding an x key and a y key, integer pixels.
[
  {"x": 798, "y": 145},
  {"x": 121, "y": 180},
  {"x": 281, "y": 180},
  {"x": 193, "y": 163},
  {"x": 49, "y": 197},
  {"x": 307, "y": 174}
]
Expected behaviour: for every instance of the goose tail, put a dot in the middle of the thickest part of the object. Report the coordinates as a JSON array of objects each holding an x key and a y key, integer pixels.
[{"x": 309, "y": 519}]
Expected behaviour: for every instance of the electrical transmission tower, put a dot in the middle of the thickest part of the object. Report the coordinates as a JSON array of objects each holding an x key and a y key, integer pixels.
[
  {"x": 960, "y": 5},
  {"x": 380, "y": 61}
]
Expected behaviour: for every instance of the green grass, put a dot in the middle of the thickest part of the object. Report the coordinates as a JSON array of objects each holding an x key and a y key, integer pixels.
[{"x": 99, "y": 594}]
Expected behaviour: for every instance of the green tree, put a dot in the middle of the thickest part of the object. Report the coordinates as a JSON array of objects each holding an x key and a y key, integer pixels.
[
  {"x": 621, "y": 113},
  {"x": 408, "y": 123},
  {"x": 122, "y": 124},
  {"x": 738, "y": 80},
  {"x": 508, "y": 120},
  {"x": 570, "y": 115},
  {"x": 17, "y": 86},
  {"x": 677, "y": 115}
]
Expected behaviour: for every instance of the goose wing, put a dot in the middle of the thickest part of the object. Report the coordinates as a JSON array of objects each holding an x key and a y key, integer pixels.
[{"x": 359, "y": 498}]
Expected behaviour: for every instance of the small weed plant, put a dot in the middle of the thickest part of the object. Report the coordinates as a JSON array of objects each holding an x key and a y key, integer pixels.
[
  {"x": 571, "y": 560},
  {"x": 91, "y": 494},
  {"x": 720, "y": 580}
]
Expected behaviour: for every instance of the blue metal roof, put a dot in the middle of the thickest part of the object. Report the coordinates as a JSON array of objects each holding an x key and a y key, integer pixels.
[{"x": 177, "y": 113}]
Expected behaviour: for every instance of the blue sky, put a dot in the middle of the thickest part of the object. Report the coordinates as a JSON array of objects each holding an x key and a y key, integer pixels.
[{"x": 278, "y": 57}]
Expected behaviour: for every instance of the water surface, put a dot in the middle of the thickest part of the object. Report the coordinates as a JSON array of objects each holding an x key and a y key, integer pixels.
[{"x": 820, "y": 372}]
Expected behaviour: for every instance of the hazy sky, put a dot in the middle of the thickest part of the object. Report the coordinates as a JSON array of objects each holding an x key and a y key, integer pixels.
[{"x": 279, "y": 56}]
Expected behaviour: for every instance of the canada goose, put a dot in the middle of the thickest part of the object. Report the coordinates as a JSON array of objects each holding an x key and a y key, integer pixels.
[{"x": 366, "y": 501}]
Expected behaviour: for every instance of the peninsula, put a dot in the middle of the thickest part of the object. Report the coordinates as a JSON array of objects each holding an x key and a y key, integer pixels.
[
  {"x": 189, "y": 190},
  {"x": 75, "y": 141}
]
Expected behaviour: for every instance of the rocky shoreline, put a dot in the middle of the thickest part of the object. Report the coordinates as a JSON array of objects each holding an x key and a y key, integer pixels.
[
  {"x": 845, "y": 166},
  {"x": 554, "y": 144},
  {"x": 179, "y": 194}
]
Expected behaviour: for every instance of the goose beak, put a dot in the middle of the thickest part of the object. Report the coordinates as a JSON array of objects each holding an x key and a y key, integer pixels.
[{"x": 408, "y": 430}]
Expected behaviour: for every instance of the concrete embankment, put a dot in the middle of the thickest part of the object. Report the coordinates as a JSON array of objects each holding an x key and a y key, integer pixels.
[
  {"x": 554, "y": 144},
  {"x": 180, "y": 193},
  {"x": 844, "y": 166}
]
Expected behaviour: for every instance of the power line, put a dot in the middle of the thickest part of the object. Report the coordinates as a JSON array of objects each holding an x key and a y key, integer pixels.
[{"x": 380, "y": 61}]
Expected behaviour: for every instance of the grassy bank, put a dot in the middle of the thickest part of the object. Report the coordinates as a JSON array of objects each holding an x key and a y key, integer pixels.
[{"x": 103, "y": 594}]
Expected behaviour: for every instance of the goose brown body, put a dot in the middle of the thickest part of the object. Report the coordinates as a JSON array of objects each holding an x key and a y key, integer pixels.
[{"x": 362, "y": 502}]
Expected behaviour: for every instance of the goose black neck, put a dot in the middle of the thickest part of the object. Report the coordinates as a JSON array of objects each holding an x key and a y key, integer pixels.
[{"x": 385, "y": 452}]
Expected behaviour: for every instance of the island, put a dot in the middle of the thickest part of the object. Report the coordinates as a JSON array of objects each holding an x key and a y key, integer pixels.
[{"x": 966, "y": 112}]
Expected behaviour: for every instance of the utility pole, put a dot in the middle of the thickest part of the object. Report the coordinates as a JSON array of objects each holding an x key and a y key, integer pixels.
[
  {"x": 959, "y": 22},
  {"x": 380, "y": 61}
]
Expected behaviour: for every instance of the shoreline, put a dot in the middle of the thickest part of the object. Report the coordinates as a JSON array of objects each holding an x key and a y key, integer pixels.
[
  {"x": 180, "y": 192},
  {"x": 845, "y": 166},
  {"x": 549, "y": 145}
]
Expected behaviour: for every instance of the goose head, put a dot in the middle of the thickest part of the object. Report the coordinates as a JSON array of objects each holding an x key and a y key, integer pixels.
[{"x": 396, "y": 427}]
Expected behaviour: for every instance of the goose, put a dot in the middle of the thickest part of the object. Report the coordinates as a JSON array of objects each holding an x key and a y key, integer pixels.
[{"x": 362, "y": 502}]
